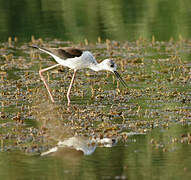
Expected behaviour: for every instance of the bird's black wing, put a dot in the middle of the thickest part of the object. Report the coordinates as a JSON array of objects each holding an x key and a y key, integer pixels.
[
  {"x": 68, "y": 52},
  {"x": 63, "y": 53}
]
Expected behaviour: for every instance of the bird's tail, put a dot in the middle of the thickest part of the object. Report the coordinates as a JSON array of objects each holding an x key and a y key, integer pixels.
[
  {"x": 34, "y": 46},
  {"x": 41, "y": 48}
]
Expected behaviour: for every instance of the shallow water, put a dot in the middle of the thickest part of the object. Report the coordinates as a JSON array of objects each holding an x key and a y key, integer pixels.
[
  {"x": 156, "y": 104},
  {"x": 138, "y": 158}
]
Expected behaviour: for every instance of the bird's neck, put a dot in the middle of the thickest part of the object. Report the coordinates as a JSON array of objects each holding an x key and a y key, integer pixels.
[{"x": 97, "y": 67}]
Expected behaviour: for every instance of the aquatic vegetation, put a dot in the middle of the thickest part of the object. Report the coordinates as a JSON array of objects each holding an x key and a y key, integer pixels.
[{"x": 158, "y": 93}]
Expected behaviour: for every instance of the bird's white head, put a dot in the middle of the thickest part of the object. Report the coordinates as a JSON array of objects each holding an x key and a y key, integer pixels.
[{"x": 109, "y": 65}]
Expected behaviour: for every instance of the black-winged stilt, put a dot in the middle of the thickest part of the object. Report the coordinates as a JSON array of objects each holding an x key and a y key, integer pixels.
[{"x": 76, "y": 59}]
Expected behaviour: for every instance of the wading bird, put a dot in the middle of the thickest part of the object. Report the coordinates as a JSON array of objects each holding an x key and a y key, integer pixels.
[{"x": 76, "y": 59}]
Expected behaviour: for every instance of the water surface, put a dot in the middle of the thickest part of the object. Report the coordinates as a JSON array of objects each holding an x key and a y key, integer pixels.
[
  {"x": 138, "y": 158},
  {"x": 77, "y": 20},
  {"x": 156, "y": 104}
]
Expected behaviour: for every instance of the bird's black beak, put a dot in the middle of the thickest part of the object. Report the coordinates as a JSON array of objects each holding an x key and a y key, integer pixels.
[{"x": 120, "y": 78}]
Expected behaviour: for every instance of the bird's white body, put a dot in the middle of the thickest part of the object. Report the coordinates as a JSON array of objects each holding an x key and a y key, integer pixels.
[{"x": 86, "y": 60}]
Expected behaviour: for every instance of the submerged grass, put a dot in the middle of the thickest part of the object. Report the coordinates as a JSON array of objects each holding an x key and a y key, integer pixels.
[{"x": 158, "y": 93}]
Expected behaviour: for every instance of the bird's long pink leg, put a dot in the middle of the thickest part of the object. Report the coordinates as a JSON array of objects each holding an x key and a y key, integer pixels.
[
  {"x": 43, "y": 79},
  {"x": 70, "y": 87}
]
